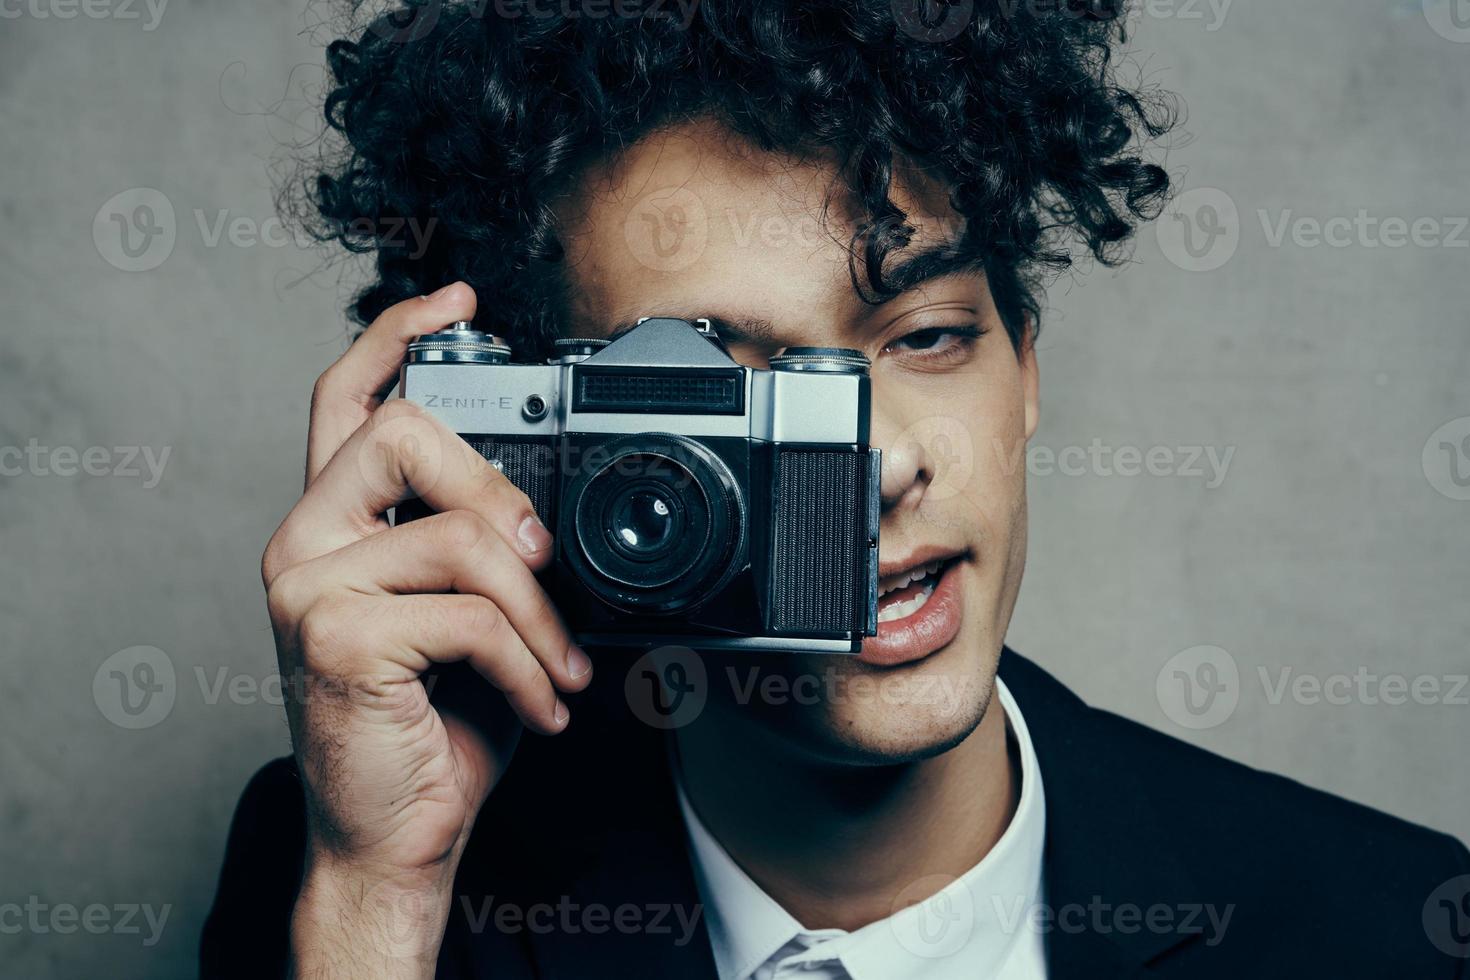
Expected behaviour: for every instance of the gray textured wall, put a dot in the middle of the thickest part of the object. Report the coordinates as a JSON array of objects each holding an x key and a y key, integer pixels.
[{"x": 1337, "y": 543}]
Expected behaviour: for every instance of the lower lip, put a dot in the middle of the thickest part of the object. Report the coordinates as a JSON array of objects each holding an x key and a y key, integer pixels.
[{"x": 914, "y": 637}]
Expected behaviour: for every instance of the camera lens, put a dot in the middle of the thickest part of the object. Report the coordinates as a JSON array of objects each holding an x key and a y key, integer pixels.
[
  {"x": 644, "y": 523},
  {"x": 655, "y": 528},
  {"x": 643, "y": 520}
]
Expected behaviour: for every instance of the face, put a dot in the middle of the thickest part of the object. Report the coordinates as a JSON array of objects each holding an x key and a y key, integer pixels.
[{"x": 693, "y": 222}]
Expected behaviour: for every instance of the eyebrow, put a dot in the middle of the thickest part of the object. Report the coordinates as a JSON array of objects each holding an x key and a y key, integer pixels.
[{"x": 932, "y": 261}]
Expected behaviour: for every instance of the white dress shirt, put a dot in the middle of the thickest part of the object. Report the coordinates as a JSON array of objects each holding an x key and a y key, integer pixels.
[{"x": 976, "y": 926}]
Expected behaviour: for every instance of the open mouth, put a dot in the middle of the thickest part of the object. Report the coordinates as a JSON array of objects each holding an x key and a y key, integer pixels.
[{"x": 907, "y": 592}]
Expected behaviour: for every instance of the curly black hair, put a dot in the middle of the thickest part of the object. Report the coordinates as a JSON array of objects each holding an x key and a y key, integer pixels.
[{"x": 476, "y": 115}]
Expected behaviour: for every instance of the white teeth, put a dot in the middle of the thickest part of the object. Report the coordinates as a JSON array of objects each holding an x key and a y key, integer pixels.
[
  {"x": 898, "y": 610},
  {"x": 909, "y": 577}
]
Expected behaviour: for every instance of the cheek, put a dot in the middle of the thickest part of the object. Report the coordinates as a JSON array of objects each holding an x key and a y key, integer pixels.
[
  {"x": 969, "y": 427},
  {"x": 999, "y": 484}
]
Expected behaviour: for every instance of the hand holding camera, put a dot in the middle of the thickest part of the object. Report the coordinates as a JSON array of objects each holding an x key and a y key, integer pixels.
[{"x": 361, "y": 610}]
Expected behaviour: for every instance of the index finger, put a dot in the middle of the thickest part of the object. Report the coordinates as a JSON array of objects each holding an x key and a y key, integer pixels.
[
  {"x": 403, "y": 452},
  {"x": 350, "y": 390}
]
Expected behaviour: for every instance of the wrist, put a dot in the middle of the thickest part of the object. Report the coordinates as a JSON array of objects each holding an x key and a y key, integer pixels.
[{"x": 360, "y": 919}]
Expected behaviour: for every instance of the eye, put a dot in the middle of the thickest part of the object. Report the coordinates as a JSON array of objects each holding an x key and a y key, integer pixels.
[{"x": 936, "y": 342}]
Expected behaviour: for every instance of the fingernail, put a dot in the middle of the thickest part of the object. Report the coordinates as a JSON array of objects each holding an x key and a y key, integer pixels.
[
  {"x": 577, "y": 662},
  {"x": 533, "y": 536},
  {"x": 436, "y": 294},
  {"x": 561, "y": 713}
]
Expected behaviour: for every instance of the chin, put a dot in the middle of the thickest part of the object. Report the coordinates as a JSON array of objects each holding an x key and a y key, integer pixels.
[
  {"x": 866, "y": 716},
  {"x": 914, "y": 736}
]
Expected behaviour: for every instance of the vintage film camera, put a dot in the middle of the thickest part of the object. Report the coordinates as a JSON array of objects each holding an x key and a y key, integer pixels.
[{"x": 694, "y": 501}]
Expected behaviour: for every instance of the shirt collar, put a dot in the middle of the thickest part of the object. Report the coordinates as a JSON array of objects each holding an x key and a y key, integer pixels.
[
  {"x": 967, "y": 929},
  {"x": 746, "y": 926}
]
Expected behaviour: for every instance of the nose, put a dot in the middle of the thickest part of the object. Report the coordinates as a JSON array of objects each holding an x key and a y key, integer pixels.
[{"x": 907, "y": 467}]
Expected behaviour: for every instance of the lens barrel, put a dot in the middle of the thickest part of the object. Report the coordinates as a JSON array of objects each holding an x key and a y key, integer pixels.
[{"x": 656, "y": 527}]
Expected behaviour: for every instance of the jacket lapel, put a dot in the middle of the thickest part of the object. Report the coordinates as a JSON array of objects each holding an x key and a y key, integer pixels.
[
  {"x": 652, "y": 926},
  {"x": 1106, "y": 849},
  {"x": 631, "y": 867}
]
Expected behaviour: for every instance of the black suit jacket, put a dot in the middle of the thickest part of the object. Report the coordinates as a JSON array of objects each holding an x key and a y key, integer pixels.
[{"x": 577, "y": 867}]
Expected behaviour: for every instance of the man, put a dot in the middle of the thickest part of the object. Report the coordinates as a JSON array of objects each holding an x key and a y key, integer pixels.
[{"x": 886, "y": 177}]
